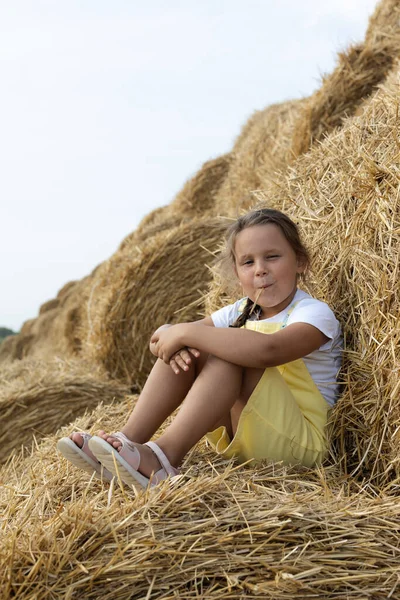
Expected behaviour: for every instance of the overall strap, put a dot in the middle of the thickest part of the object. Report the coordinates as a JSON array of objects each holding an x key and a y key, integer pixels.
[{"x": 289, "y": 312}]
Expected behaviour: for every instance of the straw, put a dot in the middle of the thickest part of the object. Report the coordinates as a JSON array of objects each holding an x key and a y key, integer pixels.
[
  {"x": 36, "y": 398},
  {"x": 260, "y": 291},
  {"x": 218, "y": 531}
]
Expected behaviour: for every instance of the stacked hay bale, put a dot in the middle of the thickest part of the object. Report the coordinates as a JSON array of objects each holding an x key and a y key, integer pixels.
[
  {"x": 55, "y": 331},
  {"x": 219, "y": 531},
  {"x": 344, "y": 194},
  {"x": 359, "y": 71},
  {"x": 261, "y": 149},
  {"x": 198, "y": 196},
  {"x": 141, "y": 287},
  {"x": 273, "y": 138},
  {"x": 37, "y": 398}
]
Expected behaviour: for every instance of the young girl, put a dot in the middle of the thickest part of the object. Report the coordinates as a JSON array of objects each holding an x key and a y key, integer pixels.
[{"x": 257, "y": 377}]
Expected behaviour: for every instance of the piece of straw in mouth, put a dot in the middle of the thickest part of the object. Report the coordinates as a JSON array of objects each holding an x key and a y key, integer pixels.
[{"x": 260, "y": 291}]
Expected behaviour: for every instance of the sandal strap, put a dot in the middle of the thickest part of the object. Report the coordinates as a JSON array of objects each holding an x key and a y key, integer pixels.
[
  {"x": 169, "y": 469},
  {"x": 121, "y": 436},
  {"x": 85, "y": 446}
]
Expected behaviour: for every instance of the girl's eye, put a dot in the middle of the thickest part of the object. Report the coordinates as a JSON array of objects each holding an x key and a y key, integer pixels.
[
  {"x": 248, "y": 262},
  {"x": 272, "y": 256}
]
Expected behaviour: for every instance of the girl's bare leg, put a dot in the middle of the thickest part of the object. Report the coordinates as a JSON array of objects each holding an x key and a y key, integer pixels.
[
  {"x": 208, "y": 404},
  {"x": 163, "y": 392},
  {"x": 220, "y": 386}
]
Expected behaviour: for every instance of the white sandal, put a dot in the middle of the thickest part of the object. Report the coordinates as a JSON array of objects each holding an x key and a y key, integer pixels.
[
  {"x": 126, "y": 461},
  {"x": 83, "y": 458}
]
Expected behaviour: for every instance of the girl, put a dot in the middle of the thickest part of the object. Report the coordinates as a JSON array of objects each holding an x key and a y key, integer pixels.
[{"x": 257, "y": 377}]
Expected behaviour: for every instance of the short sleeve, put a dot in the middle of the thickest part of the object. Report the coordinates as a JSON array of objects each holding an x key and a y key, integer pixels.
[
  {"x": 319, "y": 315},
  {"x": 224, "y": 317}
]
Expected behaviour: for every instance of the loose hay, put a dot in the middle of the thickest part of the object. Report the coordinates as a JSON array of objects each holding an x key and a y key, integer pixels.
[
  {"x": 218, "y": 532},
  {"x": 37, "y": 398}
]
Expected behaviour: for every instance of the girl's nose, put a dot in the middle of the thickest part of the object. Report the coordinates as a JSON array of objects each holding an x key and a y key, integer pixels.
[{"x": 261, "y": 268}]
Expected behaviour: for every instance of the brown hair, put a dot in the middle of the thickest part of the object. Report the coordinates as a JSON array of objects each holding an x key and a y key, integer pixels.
[{"x": 263, "y": 216}]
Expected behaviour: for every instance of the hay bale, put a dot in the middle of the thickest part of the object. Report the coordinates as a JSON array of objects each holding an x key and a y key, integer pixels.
[
  {"x": 27, "y": 326},
  {"x": 198, "y": 195},
  {"x": 218, "y": 532},
  {"x": 36, "y": 398},
  {"x": 344, "y": 194},
  {"x": 358, "y": 73},
  {"x": 159, "y": 282},
  {"x": 260, "y": 150},
  {"x": 15, "y": 347},
  {"x": 49, "y": 305},
  {"x": 157, "y": 220},
  {"x": 56, "y": 330},
  {"x": 7, "y": 348},
  {"x": 195, "y": 199}
]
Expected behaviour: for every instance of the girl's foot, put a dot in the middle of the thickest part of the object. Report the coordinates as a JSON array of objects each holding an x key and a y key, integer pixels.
[
  {"x": 77, "y": 438},
  {"x": 149, "y": 462},
  {"x": 135, "y": 463},
  {"x": 76, "y": 449}
]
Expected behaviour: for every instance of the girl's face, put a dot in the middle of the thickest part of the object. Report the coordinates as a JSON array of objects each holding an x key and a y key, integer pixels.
[{"x": 265, "y": 260}]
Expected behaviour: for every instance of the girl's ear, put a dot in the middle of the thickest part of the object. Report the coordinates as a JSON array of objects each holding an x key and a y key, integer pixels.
[{"x": 301, "y": 265}]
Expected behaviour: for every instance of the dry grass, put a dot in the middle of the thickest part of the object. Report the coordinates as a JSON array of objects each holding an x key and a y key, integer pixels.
[
  {"x": 36, "y": 398},
  {"x": 219, "y": 531}
]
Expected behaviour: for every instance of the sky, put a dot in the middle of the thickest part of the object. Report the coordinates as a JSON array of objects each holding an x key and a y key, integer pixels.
[{"x": 107, "y": 108}]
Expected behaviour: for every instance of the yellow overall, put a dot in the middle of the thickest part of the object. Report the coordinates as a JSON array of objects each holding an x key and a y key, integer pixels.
[{"x": 284, "y": 418}]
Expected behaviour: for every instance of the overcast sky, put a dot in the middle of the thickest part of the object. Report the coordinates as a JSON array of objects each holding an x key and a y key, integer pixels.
[{"x": 108, "y": 107}]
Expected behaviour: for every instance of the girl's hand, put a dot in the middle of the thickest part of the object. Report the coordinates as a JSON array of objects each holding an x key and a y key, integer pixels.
[
  {"x": 167, "y": 342},
  {"x": 152, "y": 345},
  {"x": 181, "y": 360}
]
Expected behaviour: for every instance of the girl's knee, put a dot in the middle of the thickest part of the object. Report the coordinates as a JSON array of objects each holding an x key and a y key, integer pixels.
[{"x": 222, "y": 364}]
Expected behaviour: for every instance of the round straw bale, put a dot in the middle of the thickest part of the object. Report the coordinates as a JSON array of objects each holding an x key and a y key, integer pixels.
[
  {"x": 56, "y": 331},
  {"x": 36, "y": 398},
  {"x": 66, "y": 289},
  {"x": 15, "y": 347},
  {"x": 218, "y": 531},
  {"x": 7, "y": 348},
  {"x": 195, "y": 199},
  {"x": 49, "y": 305},
  {"x": 161, "y": 283},
  {"x": 260, "y": 150},
  {"x": 198, "y": 195},
  {"x": 157, "y": 220},
  {"x": 344, "y": 194},
  {"x": 27, "y": 326},
  {"x": 359, "y": 71}
]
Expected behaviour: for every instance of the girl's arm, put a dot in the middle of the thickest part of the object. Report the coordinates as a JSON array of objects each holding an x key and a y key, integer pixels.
[
  {"x": 242, "y": 346},
  {"x": 181, "y": 360},
  {"x": 206, "y": 321}
]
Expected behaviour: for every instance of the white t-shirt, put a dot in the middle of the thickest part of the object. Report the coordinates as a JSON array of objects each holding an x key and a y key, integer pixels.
[{"x": 322, "y": 364}]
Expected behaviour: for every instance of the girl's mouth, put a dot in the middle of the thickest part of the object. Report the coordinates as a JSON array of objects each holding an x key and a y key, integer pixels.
[{"x": 264, "y": 287}]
